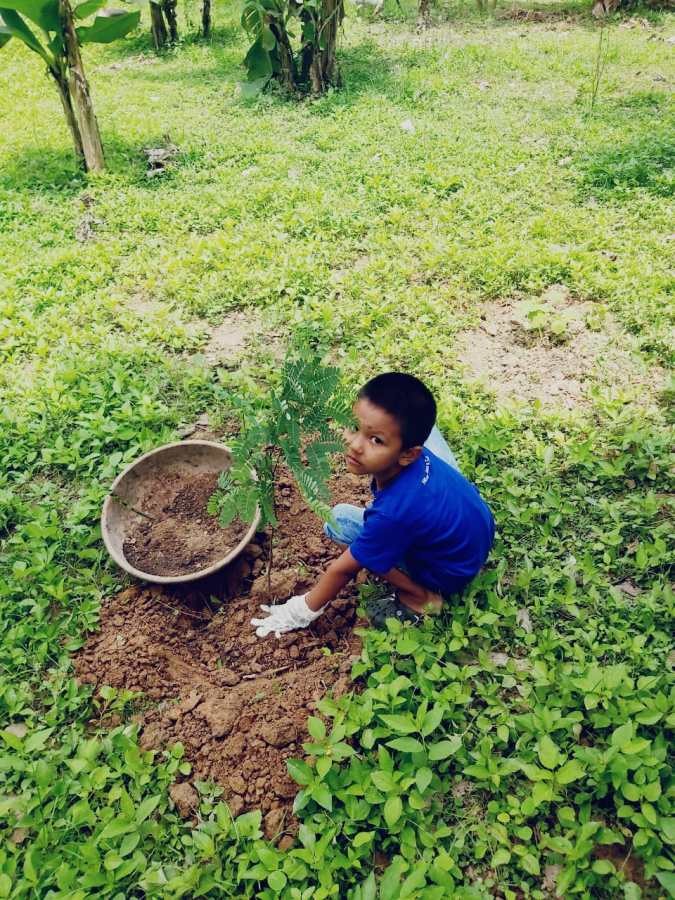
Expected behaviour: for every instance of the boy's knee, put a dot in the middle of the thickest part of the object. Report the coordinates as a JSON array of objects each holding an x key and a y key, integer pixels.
[{"x": 346, "y": 522}]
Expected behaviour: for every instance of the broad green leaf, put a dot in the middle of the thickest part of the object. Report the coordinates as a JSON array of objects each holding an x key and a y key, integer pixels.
[
  {"x": 432, "y": 719},
  {"x": 402, "y": 724},
  {"x": 323, "y": 766},
  {"x": 299, "y": 771},
  {"x": 316, "y": 728},
  {"x": 108, "y": 28},
  {"x": 501, "y": 857},
  {"x": 258, "y": 63},
  {"x": 406, "y": 745},
  {"x": 603, "y": 867},
  {"x": 15, "y": 26},
  {"x": 667, "y": 826},
  {"x": 423, "y": 778},
  {"x": 383, "y": 781},
  {"x": 571, "y": 771},
  {"x": 267, "y": 39},
  {"x": 392, "y": 810},
  {"x": 363, "y": 837},
  {"x": 117, "y": 826},
  {"x": 631, "y": 791},
  {"x": 88, "y": 8},
  {"x": 322, "y": 795},
  {"x": 277, "y": 881},
  {"x": 649, "y": 812},
  {"x": 444, "y": 749},
  {"x": 369, "y": 888},
  {"x": 531, "y": 864},
  {"x": 549, "y": 755},
  {"x": 45, "y": 13},
  {"x": 622, "y": 735},
  {"x": 146, "y": 808},
  {"x": 667, "y": 881}
]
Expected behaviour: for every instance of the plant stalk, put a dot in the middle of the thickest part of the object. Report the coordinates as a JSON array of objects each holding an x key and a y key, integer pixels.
[{"x": 78, "y": 88}]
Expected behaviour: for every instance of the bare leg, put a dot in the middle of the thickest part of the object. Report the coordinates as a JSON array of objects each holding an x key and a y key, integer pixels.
[{"x": 413, "y": 595}]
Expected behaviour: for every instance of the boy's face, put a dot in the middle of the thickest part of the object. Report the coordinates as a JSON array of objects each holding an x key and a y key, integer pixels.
[{"x": 375, "y": 447}]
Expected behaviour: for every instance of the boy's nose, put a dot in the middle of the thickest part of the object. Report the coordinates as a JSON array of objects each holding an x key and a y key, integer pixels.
[{"x": 354, "y": 444}]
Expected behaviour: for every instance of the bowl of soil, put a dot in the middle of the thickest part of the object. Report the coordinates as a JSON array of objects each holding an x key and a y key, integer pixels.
[{"x": 154, "y": 521}]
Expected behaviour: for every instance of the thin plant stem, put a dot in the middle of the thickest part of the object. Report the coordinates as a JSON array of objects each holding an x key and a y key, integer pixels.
[{"x": 600, "y": 61}]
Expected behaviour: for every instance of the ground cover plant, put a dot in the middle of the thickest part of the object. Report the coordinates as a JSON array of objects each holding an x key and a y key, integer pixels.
[{"x": 518, "y": 746}]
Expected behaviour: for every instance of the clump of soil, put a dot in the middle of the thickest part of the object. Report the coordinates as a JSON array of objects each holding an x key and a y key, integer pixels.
[
  {"x": 179, "y": 536},
  {"x": 518, "y": 364},
  {"x": 238, "y": 703}
]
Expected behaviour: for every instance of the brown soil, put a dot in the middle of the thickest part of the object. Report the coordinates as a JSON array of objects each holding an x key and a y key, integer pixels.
[
  {"x": 523, "y": 365},
  {"x": 181, "y": 537},
  {"x": 238, "y": 703},
  {"x": 228, "y": 339}
]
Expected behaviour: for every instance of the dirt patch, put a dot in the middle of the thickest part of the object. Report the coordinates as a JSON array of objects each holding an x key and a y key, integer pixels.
[
  {"x": 623, "y": 861},
  {"x": 180, "y": 537},
  {"x": 238, "y": 703},
  {"x": 517, "y": 14},
  {"x": 555, "y": 369},
  {"x": 132, "y": 62},
  {"x": 228, "y": 339}
]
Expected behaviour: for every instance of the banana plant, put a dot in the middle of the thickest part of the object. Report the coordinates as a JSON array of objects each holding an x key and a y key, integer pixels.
[{"x": 61, "y": 30}]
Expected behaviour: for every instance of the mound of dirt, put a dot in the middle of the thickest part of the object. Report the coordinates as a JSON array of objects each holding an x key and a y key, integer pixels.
[
  {"x": 526, "y": 365},
  {"x": 179, "y": 536},
  {"x": 238, "y": 703}
]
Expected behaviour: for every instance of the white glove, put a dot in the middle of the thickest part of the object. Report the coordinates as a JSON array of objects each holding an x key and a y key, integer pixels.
[{"x": 288, "y": 616}]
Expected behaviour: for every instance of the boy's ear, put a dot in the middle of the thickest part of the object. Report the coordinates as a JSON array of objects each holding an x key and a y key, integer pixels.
[{"x": 406, "y": 457}]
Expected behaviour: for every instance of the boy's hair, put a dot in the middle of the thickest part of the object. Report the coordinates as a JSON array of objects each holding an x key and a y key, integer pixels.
[{"x": 408, "y": 400}]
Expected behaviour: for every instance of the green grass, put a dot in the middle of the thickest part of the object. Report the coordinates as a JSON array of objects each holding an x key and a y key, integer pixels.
[{"x": 336, "y": 223}]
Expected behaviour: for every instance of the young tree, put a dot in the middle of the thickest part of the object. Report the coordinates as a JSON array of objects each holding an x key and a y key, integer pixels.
[
  {"x": 163, "y": 23},
  {"x": 312, "y": 67},
  {"x": 59, "y": 47}
]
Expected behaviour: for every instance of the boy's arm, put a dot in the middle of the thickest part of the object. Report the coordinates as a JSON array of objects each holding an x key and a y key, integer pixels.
[
  {"x": 338, "y": 574},
  {"x": 301, "y": 610}
]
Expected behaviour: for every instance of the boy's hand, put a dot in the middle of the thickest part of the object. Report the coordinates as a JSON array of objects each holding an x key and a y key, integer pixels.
[{"x": 283, "y": 617}]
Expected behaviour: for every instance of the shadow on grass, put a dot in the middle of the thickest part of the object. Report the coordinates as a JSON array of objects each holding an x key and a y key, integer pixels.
[
  {"x": 56, "y": 173},
  {"x": 366, "y": 69},
  {"x": 646, "y": 162},
  {"x": 140, "y": 49},
  {"x": 39, "y": 170}
]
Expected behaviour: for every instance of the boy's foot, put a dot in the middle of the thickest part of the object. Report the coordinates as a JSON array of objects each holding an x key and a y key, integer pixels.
[{"x": 389, "y": 607}]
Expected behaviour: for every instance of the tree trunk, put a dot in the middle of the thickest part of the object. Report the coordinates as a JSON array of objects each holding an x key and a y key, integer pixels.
[
  {"x": 206, "y": 18},
  {"x": 160, "y": 38},
  {"x": 78, "y": 88},
  {"x": 171, "y": 19},
  {"x": 423, "y": 16},
  {"x": 323, "y": 69},
  {"x": 286, "y": 74},
  {"x": 62, "y": 86}
]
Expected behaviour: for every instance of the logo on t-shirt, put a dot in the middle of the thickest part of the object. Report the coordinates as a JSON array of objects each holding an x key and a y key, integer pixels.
[{"x": 427, "y": 467}]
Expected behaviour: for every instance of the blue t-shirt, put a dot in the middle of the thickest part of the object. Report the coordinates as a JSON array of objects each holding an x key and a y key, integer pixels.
[{"x": 431, "y": 520}]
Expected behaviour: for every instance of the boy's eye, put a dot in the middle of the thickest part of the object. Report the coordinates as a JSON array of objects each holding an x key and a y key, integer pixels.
[{"x": 376, "y": 440}]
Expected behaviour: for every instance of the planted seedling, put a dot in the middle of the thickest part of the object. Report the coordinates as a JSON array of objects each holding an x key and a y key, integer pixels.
[
  {"x": 296, "y": 427},
  {"x": 544, "y": 319}
]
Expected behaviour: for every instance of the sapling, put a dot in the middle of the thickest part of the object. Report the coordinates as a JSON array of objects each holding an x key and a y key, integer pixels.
[
  {"x": 61, "y": 32},
  {"x": 296, "y": 427}
]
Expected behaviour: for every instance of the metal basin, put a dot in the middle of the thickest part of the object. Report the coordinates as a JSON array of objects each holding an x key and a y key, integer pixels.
[{"x": 131, "y": 490}]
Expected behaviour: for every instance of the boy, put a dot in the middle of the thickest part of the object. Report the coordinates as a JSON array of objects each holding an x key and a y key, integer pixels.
[{"x": 427, "y": 531}]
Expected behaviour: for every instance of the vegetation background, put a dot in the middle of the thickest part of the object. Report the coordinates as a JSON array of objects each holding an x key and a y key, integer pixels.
[{"x": 520, "y": 746}]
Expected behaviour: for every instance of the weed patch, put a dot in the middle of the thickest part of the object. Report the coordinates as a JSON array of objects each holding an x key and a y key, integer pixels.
[{"x": 647, "y": 163}]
